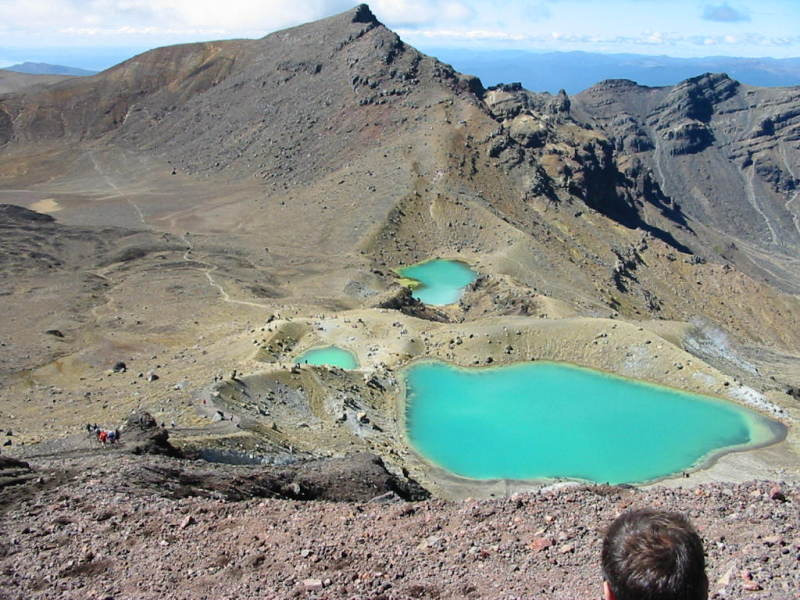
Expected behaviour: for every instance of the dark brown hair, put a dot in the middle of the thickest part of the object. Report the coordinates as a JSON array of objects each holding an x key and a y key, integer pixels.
[{"x": 654, "y": 555}]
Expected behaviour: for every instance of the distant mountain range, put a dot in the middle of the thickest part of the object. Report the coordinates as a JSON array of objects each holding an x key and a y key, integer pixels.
[
  {"x": 577, "y": 71},
  {"x": 33, "y": 68},
  {"x": 570, "y": 71}
]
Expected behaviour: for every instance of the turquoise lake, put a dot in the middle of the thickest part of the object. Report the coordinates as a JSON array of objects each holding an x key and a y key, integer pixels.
[
  {"x": 329, "y": 355},
  {"x": 441, "y": 281},
  {"x": 548, "y": 420}
]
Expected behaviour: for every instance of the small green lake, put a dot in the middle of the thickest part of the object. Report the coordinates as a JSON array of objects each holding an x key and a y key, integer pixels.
[
  {"x": 329, "y": 355},
  {"x": 549, "y": 420},
  {"x": 440, "y": 281}
]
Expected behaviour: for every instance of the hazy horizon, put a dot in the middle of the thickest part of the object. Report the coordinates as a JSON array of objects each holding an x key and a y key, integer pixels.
[
  {"x": 541, "y": 71},
  {"x": 101, "y": 58}
]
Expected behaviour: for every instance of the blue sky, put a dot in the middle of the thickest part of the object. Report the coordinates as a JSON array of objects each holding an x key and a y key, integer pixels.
[{"x": 51, "y": 28}]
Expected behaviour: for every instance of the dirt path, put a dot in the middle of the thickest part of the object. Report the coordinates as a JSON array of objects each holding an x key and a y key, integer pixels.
[
  {"x": 208, "y": 268},
  {"x": 118, "y": 193},
  {"x": 793, "y": 198}
]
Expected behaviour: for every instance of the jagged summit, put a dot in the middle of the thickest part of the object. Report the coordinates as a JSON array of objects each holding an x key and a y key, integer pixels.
[
  {"x": 618, "y": 84},
  {"x": 704, "y": 80},
  {"x": 709, "y": 79},
  {"x": 359, "y": 15},
  {"x": 362, "y": 14},
  {"x": 197, "y": 101}
]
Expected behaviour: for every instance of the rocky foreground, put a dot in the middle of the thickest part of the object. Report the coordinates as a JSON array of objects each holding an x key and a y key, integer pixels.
[{"x": 96, "y": 527}]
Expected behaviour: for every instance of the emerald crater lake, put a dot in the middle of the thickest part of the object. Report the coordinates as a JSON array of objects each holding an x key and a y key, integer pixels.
[
  {"x": 441, "y": 282},
  {"x": 329, "y": 355},
  {"x": 549, "y": 420}
]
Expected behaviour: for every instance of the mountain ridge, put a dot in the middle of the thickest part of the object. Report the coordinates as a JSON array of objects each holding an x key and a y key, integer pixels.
[
  {"x": 577, "y": 71},
  {"x": 741, "y": 139},
  {"x": 40, "y": 68}
]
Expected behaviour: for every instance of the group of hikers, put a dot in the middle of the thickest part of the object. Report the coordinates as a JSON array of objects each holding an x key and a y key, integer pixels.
[{"x": 104, "y": 436}]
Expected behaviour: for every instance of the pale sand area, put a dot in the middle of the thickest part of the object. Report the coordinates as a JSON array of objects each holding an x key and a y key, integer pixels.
[{"x": 46, "y": 205}]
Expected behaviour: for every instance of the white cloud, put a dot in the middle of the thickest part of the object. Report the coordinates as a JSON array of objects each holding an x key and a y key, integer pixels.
[
  {"x": 461, "y": 34},
  {"x": 418, "y": 12},
  {"x": 645, "y": 41},
  {"x": 242, "y": 14},
  {"x": 151, "y": 18},
  {"x": 614, "y": 25},
  {"x": 127, "y": 30}
]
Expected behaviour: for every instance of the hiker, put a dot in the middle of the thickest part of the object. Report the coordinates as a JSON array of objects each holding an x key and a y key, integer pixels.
[
  {"x": 111, "y": 436},
  {"x": 102, "y": 436},
  {"x": 655, "y": 555}
]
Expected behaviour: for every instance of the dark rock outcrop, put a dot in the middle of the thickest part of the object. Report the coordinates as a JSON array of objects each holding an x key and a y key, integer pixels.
[
  {"x": 14, "y": 472},
  {"x": 141, "y": 434},
  {"x": 557, "y": 154},
  {"x": 689, "y": 137},
  {"x": 697, "y": 98},
  {"x": 727, "y": 151},
  {"x": 356, "y": 478},
  {"x": 396, "y": 297},
  {"x": 399, "y": 297},
  {"x": 11, "y": 213},
  {"x": 6, "y": 127}
]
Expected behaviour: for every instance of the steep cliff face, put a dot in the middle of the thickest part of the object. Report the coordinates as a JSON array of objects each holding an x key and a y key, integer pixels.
[
  {"x": 728, "y": 153},
  {"x": 553, "y": 153}
]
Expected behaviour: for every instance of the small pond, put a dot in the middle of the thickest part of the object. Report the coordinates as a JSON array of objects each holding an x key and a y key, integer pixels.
[
  {"x": 549, "y": 420},
  {"x": 329, "y": 355},
  {"x": 440, "y": 281}
]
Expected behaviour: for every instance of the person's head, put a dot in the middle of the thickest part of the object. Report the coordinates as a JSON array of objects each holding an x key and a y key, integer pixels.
[{"x": 653, "y": 555}]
